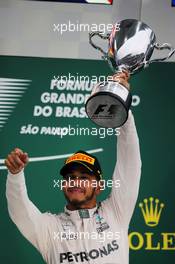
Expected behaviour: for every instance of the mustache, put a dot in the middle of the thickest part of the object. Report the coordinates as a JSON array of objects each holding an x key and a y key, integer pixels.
[
  {"x": 78, "y": 203},
  {"x": 76, "y": 189}
]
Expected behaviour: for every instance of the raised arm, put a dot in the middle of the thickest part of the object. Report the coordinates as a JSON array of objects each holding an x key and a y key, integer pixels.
[
  {"x": 29, "y": 220},
  {"x": 128, "y": 171}
]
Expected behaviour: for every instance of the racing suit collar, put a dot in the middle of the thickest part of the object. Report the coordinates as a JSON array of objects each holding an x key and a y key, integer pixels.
[{"x": 80, "y": 213}]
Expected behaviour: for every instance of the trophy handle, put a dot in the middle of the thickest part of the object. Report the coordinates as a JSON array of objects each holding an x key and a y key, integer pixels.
[
  {"x": 102, "y": 36},
  {"x": 162, "y": 47},
  {"x": 105, "y": 54}
]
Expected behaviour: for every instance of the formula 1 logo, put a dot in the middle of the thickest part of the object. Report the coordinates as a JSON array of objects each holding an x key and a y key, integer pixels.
[
  {"x": 105, "y": 111},
  {"x": 11, "y": 92}
]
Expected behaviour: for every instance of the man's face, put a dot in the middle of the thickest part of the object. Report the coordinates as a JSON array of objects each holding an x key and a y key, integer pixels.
[{"x": 80, "y": 186}]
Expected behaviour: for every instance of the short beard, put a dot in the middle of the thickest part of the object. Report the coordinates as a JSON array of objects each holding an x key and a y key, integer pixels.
[{"x": 78, "y": 203}]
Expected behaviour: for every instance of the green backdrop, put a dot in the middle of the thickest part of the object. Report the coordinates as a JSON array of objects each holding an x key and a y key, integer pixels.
[{"x": 154, "y": 117}]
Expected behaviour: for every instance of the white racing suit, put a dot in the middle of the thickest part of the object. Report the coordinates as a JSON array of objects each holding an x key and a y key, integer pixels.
[{"x": 104, "y": 231}]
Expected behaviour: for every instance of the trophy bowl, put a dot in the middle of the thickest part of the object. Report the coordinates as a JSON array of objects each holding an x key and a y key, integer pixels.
[{"x": 130, "y": 47}]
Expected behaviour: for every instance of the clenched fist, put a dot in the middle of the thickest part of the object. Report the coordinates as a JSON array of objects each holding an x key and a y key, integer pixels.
[
  {"x": 16, "y": 160},
  {"x": 122, "y": 78}
]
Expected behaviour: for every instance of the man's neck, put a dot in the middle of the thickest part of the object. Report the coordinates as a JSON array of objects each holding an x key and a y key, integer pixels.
[{"x": 83, "y": 206}]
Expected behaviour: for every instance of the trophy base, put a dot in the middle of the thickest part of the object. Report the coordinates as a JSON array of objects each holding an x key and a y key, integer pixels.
[{"x": 109, "y": 109}]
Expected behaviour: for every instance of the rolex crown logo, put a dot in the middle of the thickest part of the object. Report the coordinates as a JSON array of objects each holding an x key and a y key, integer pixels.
[{"x": 151, "y": 209}]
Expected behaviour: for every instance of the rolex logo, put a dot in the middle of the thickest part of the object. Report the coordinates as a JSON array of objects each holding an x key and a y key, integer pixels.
[{"x": 151, "y": 209}]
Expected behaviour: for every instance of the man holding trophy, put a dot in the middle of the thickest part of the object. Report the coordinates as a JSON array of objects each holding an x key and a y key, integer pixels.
[
  {"x": 108, "y": 106},
  {"x": 83, "y": 213}
]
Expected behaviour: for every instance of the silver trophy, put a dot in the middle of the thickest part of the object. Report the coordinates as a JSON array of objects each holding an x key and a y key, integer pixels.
[{"x": 130, "y": 47}]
